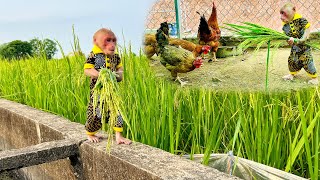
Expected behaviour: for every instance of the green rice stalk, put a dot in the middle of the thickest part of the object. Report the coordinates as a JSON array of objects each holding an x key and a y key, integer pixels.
[
  {"x": 106, "y": 97},
  {"x": 305, "y": 136},
  {"x": 314, "y": 45},
  {"x": 267, "y": 67},
  {"x": 316, "y": 149},
  {"x": 303, "y": 141}
]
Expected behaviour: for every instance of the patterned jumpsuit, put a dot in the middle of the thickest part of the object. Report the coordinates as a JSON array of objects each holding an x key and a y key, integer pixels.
[
  {"x": 300, "y": 56},
  {"x": 97, "y": 59}
]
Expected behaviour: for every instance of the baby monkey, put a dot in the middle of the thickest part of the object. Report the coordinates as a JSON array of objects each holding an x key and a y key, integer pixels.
[
  {"x": 103, "y": 55},
  {"x": 298, "y": 29}
]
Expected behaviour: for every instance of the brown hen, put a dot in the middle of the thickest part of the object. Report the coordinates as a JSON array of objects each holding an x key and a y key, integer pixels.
[{"x": 176, "y": 59}]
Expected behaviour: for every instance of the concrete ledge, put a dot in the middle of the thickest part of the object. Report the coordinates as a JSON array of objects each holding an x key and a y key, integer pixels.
[
  {"x": 37, "y": 154},
  {"x": 140, "y": 161},
  {"x": 24, "y": 126}
]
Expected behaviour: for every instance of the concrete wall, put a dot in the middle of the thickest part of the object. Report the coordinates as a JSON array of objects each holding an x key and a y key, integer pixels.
[{"x": 23, "y": 126}]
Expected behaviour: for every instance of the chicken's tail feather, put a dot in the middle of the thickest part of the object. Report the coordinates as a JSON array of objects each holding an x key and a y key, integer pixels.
[
  {"x": 213, "y": 21},
  {"x": 162, "y": 39},
  {"x": 165, "y": 28},
  {"x": 203, "y": 26}
]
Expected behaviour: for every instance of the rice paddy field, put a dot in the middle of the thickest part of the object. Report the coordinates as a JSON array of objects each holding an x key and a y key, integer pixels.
[{"x": 276, "y": 128}]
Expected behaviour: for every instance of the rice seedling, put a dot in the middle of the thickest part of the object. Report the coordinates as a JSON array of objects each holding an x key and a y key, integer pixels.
[{"x": 47, "y": 85}]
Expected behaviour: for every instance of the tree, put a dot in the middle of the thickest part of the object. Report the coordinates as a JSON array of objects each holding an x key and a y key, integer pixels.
[
  {"x": 46, "y": 47},
  {"x": 16, "y": 49},
  {"x": 1, "y": 49}
]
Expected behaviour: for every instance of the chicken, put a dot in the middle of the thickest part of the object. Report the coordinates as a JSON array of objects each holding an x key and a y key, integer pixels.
[
  {"x": 209, "y": 32},
  {"x": 150, "y": 50},
  {"x": 150, "y": 43},
  {"x": 176, "y": 59}
]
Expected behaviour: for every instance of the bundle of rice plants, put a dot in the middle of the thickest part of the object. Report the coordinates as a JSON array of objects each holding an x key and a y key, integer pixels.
[
  {"x": 106, "y": 98},
  {"x": 315, "y": 45},
  {"x": 257, "y": 35}
]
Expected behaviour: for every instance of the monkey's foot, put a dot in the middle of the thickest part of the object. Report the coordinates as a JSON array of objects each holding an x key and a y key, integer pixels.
[
  {"x": 314, "y": 81},
  {"x": 121, "y": 140},
  {"x": 288, "y": 77},
  {"x": 94, "y": 138}
]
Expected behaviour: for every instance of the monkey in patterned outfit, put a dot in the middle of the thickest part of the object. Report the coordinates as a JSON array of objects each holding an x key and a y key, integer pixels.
[
  {"x": 297, "y": 28},
  {"x": 102, "y": 56}
]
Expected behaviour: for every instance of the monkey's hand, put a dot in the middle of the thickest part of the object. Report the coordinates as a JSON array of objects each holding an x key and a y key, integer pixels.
[
  {"x": 118, "y": 75},
  {"x": 291, "y": 41},
  {"x": 115, "y": 74}
]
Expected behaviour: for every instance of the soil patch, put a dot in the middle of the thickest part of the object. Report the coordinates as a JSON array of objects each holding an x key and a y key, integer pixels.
[{"x": 245, "y": 72}]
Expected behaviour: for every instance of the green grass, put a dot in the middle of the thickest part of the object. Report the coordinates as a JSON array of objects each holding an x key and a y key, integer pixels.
[
  {"x": 277, "y": 129},
  {"x": 48, "y": 85}
]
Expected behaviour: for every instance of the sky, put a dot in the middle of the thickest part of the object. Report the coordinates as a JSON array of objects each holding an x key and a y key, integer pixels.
[{"x": 53, "y": 19}]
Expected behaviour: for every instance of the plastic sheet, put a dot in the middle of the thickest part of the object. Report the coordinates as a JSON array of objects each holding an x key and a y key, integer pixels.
[{"x": 244, "y": 168}]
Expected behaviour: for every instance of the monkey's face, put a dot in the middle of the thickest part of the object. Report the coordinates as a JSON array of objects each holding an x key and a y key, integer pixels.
[
  {"x": 287, "y": 14},
  {"x": 106, "y": 42}
]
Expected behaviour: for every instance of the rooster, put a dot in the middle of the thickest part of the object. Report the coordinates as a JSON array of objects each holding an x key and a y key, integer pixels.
[
  {"x": 176, "y": 59},
  {"x": 209, "y": 32}
]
